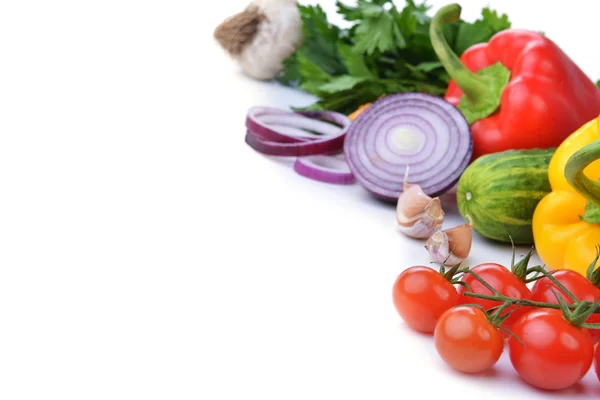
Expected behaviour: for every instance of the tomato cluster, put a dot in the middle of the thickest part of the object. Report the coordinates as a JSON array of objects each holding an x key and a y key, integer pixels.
[{"x": 546, "y": 348}]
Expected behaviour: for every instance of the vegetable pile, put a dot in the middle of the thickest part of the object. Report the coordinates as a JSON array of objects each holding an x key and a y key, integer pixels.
[
  {"x": 413, "y": 105},
  {"x": 551, "y": 326}
]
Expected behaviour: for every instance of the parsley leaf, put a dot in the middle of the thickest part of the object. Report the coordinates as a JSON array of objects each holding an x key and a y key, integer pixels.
[
  {"x": 313, "y": 76},
  {"x": 481, "y": 30},
  {"x": 354, "y": 63},
  {"x": 375, "y": 34},
  {"x": 344, "y": 82},
  {"x": 321, "y": 37},
  {"x": 496, "y": 23}
]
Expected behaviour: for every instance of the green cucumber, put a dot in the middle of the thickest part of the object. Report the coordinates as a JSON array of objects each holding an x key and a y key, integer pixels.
[{"x": 500, "y": 192}]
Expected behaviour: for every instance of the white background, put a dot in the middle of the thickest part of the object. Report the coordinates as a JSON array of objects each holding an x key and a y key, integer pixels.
[{"x": 147, "y": 253}]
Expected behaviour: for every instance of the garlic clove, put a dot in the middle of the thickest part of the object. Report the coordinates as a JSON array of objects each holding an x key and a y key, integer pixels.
[
  {"x": 439, "y": 248},
  {"x": 417, "y": 214},
  {"x": 423, "y": 224},
  {"x": 412, "y": 203},
  {"x": 460, "y": 239},
  {"x": 455, "y": 240}
]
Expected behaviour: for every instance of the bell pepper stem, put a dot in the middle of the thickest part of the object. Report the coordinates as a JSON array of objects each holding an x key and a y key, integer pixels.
[
  {"x": 574, "y": 172},
  {"x": 482, "y": 91},
  {"x": 474, "y": 87}
]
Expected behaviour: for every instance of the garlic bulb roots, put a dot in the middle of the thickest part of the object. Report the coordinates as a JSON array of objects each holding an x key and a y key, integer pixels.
[{"x": 261, "y": 37}]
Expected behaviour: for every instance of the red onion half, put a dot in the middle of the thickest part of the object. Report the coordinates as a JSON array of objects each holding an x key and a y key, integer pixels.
[
  {"x": 408, "y": 129},
  {"x": 284, "y": 133}
]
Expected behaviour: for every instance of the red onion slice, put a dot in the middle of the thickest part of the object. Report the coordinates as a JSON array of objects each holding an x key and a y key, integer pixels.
[
  {"x": 328, "y": 169},
  {"x": 287, "y": 133},
  {"x": 408, "y": 129},
  {"x": 297, "y": 149}
]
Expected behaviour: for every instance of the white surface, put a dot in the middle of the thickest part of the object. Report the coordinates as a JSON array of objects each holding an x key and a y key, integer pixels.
[{"x": 147, "y": 253}]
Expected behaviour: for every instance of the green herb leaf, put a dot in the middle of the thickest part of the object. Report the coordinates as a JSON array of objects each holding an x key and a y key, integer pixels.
[
  {"x": 375, "y": 34},
  {"x": 320, "y": 40},
  {"x": 363, "y": 9},
  {"x": 291, "y": 75},
  {"x": 341, "y": 83},
  {"x": 347, "y": 101},
  {"x": 428, "y": 66},
  {"x": 313, "y": 76},
  {"x": 481, "y": 30},
  {"x": 408, "y": 19},
  {"x": 354, "y": 63},
  {"x": 496, "y": 22},
  {"x": 386, "y": 50}
]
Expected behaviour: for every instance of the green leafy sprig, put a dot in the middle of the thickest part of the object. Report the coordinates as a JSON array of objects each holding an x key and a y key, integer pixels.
[{"x": 385, "y": 50}]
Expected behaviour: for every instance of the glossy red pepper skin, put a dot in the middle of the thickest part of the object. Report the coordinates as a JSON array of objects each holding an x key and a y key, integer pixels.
[{"x": 547, "y": 99}]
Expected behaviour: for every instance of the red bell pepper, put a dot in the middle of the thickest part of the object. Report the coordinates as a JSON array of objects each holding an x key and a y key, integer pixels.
[{"x": 518, "y": 91}]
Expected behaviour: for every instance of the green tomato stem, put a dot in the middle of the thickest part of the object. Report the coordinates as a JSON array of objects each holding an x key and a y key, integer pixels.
[
  {"x": 513, "y": 301},
  {"x": 484, "y": 283},
  {"x": 523, "y": 302},
  {"x": 555, "y": 282}
]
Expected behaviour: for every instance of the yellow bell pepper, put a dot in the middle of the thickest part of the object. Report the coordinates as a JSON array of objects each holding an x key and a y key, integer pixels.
[{"x": 562, "y": 238}]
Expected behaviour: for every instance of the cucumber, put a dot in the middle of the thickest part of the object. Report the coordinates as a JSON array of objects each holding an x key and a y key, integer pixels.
[{"x": 500, "y": 192}]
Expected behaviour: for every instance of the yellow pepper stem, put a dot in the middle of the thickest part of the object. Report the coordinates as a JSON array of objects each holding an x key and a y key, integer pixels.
[{"x": 574, "y": 172}]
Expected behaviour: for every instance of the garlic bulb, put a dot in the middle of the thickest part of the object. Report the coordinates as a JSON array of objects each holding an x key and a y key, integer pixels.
[
  {"x": 417, "y": 214},
  {"x": 451, "y": 246},
  {"x": 262, "y": 37}
]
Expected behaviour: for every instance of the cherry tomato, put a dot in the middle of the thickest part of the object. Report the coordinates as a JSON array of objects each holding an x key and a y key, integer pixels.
[
  {"x": 467, "y": 341},
  {"x": 556, "y": 354},
  {"x": 421, "y": 295},
  {"x": 577, "y": 284},
  {"x": 597, "y": 362},
  {"x": 501, "y": 279}
]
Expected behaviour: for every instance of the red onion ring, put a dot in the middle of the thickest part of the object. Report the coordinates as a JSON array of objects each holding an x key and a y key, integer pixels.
[
  {"x": 416, "y": 129},
  {"x": 296, "y": 139},
  {"x": 328, "y": 169}
]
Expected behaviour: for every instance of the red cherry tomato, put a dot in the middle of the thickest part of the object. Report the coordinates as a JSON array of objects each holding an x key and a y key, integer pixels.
[
  {"x": 467, "y": 341},
  {"x": 597, "y": 362},
  {"x": 556, "y": 354},
  {"x": 421, "y": 295},
  {"x": 501, "y": 279},
  {"x": 577, "y": 284}
]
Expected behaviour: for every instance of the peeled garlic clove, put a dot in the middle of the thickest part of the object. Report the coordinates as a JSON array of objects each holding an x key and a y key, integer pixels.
[{"x": 455, "y": 240}]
